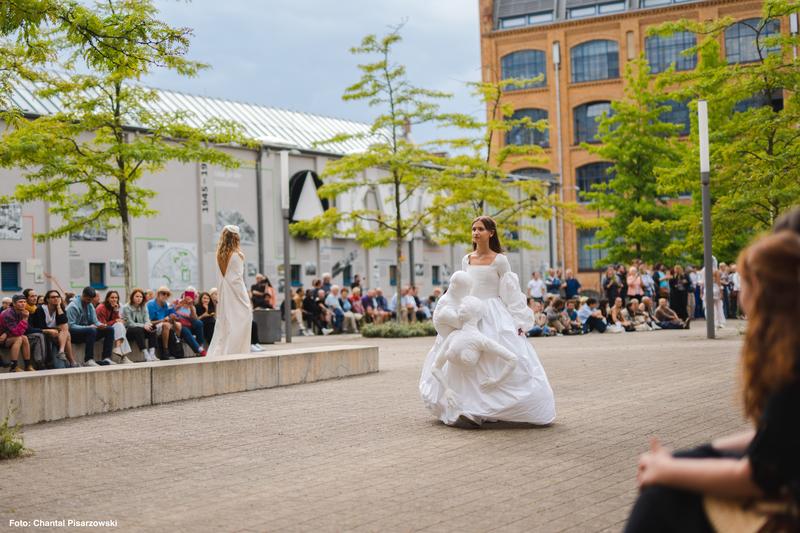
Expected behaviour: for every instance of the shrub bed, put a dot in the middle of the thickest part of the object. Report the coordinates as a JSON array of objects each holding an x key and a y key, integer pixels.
[{"x": 398, "y": 330}]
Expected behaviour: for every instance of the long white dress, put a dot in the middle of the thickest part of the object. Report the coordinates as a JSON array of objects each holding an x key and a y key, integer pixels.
[
  {"x": 234, "y": 314},
  {"x": 525, "y": 396}
]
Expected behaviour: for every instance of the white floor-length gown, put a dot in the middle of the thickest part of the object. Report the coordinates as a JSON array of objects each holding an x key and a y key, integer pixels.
[
  {"x": 234, "y": 314},
  {"x": 525, "y": 396}
]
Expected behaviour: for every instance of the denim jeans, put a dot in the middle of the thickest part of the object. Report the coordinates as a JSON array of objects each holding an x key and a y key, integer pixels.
[{"x": 90, "y": 334}]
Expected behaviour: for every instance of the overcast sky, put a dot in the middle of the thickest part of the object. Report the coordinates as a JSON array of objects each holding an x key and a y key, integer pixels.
[{"x": 294, "y": 54}]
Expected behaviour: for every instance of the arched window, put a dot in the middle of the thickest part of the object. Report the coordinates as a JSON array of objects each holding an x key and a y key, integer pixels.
[
  {"x": 586, "y": 120},
  {"x": 677, "y": 114},
  {"x": 522, "y": 135},
  {"x": 524, "y": 64},
  {"x": 595, "y": 60},
  {"x": 662, "y": 52},
  {"x": 743, "y": 41},
  {"x": 589, "y": 175}
]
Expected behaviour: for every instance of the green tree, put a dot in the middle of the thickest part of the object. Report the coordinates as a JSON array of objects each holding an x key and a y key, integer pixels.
[
  {"x": 475, "y": 180},
  {"x": 86, "y": 160},
  {"x": 638, "y": 144},
  {"x": 754, "y": 110},
  {"x": 407, "y": 170}
]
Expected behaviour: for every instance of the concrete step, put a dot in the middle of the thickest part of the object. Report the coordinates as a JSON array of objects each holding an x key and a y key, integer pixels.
[{"x": 57, "y": 394}]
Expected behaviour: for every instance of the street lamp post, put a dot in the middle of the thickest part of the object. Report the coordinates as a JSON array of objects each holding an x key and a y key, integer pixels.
[
  {"x": 287, "y": 287},
  {"x": 705, "y": 168}
]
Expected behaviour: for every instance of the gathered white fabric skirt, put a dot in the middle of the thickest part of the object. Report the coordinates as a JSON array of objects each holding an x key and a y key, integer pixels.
[{"x": 525, "y": 396}]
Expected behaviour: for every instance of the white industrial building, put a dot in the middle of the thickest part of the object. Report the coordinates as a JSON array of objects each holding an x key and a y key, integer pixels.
[{"x": 176, "y": 247}]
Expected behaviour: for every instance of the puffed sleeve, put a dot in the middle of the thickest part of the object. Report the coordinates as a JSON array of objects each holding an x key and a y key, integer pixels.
[
  {"x": 511, "y": 295},
  {"x": 464, "y": 262}
]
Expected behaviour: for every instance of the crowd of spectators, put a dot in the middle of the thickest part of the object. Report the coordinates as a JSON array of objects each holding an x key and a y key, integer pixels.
[
  {"x": 40, "y": 331},
  {"x": 632, "y": 298}
]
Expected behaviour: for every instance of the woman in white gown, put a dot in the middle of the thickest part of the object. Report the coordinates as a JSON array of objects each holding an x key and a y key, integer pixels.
[
  {"x": 234, "y": 314},
  {"x": 525, "y": 395}
]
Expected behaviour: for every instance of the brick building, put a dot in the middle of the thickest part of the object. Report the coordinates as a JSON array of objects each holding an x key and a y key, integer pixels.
[{"x": 581, "y": 47}]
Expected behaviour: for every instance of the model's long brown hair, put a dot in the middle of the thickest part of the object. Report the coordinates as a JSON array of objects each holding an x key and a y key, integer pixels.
[
  {"x": 770, "y": 276},
  {"x": 494, "y": 241},
  {"x": 227, "y": 245}
]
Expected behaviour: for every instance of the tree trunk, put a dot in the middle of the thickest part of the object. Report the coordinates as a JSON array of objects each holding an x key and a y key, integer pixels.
[{"x": 127, "y": 255}]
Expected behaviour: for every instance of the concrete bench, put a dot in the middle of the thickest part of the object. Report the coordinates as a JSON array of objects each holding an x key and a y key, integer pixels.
[
  {"x": 79, "y": 351},
  {"x": 68, "y": 393}
]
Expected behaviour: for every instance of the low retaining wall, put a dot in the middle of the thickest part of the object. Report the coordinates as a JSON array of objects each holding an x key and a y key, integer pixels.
[{"x": 68, "y": 393}]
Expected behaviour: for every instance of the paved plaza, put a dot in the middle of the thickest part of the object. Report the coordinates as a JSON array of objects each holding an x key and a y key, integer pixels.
[{"x": 363, "y": 454}]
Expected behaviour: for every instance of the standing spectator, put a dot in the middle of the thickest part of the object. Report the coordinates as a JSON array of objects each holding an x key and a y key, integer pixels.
[
  {"x": 648, "y": 284},
  {"x": 84, "y": 327},
  {"x": 622, "y": 276},
  {"x": 610, "y": 284},
  {"x": 724, "y": 284},
  {"x": 735, "y": 282},
  {"x": 537, "y": 288},
  {"x": 108, "y": 313},
  {"x": 138, "y": 328},
  {"x": 191, "y": 330},
  {"x": 692, "y": 277},
  {"x": 206, "y": 313},
  {"x": 351, "y": 317},
  {"x": 572, "y": 286},
  {"x": 679, "y": 285},
  {"x": 51, "y": 319},
  {"x": 669, "y": 319},
  {"x": 162, "y": 316},
  {"x": 333, "y": 305},
  {"x": 635, "y": 284},
  {"x": 356, "y": 284},
  {"x": 553, "y": 282},
  {"x": 719, "y": 309},
  {"x": 663, "y": 281},
  {"x": 14, "y": 324}
]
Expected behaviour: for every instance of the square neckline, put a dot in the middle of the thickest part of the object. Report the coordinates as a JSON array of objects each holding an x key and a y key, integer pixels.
[{"x": 469, "y": 263}]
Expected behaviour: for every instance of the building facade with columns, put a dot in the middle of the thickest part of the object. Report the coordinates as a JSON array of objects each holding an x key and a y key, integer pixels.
[
  {"x": 194, "y": 201},
  {"x": 581, "y": 47}
]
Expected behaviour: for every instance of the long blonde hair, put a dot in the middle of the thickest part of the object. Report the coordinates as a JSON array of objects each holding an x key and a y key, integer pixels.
[{"x": 227, "y": 245}]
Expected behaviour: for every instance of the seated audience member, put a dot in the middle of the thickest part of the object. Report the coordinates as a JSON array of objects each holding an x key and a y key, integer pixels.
[
  {"x": 31, "y": 300},
  {"x": 191, "y": 329},
  {"x": 351, "y": 317},
  {"x": 149, "y": 294},
  {"x": 370, "y": 304},
  {"x": 138, "y": 328},
  {"x": 421, "y": 308},
  {"x": 617, "y": 320},
  {"x": 667, "y": 318},
  {"x": 406, "y": 308},
  {"x": 433, "y": 299},
  {"x": 68, "y": 297},
  {"x": 591, "y": 317},
  {"x": 261, "y": 297},
  {"x": 108, "y": 313},
  {"x": 84, "y": 327},
  {"x": 575, "y": 326},
  {"x": 14, "y": 325},
  {"x": 333, "y": 305},
  {"x": 206, "y": 313},
  {"x": 324, "y": 315},
  {"x": 51, "y": 320},
  {"x": 311, "y": 311},
  {"x": 571, "y": 286},
  {"x": 647, "y": 307},
  {"x": 162, "y": 316},
  {"x": 540, "y": 327},
  {"x": 6, "y": 303},
  {"x": 299, "y": 313},
  {"x": 556, "y": 319},
  {"x": 749, "y": 481},
  {"x": 640, "y": 320},
  {"x": 383, "y": 306}
]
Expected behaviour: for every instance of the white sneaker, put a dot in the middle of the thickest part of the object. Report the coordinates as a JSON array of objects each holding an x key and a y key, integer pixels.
[
  {"x": 109, "y": 361},
  {"x": 126, "y": 361},
  {"x": 326, "y": 331},
  {"x": 254, "y": 348},
  {"x": 62, "y": 356},
  {"x": 117, "y": 350},
  {"x": 90, "y": 362}
]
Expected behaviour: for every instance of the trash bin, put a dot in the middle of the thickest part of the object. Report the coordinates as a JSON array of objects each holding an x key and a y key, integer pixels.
[{"x": 269, "y": 325}]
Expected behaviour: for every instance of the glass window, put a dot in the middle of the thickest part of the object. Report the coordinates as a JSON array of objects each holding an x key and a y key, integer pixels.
[
  {"x": 540, "y": 18},
  {"x": 614, "y": 7},
  {"x": 435, "y": 273},
  {"x": 662, "y": 52},
  {"x": 580, "y": 12},
  {"x": 775, "y": 100},
  {"x": 513, "y": 22},
  {"x": 586, "y": 120},
  {"x": 97, "y": 275},
  {"x": 678, "y": 114},
  {"x": 740, "y": 40},
  {"x": 294, "y": 275},
  {"x": 524, "y": 64},
  {"x": 654, "y": 3},
  {"x": 595, "y": 60},
  {"x": 589, "y": 175},
  {"x": 393, "y": 275},
  {"x": 10, "y": 276},
  {"x": 589, "y": 258},
  {"x": 522, "y": 135}
]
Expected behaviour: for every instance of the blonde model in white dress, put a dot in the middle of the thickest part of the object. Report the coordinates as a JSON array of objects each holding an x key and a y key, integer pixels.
[
  {"x": 525, "y": 395},
  {"x": 234, "y": 313}
]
